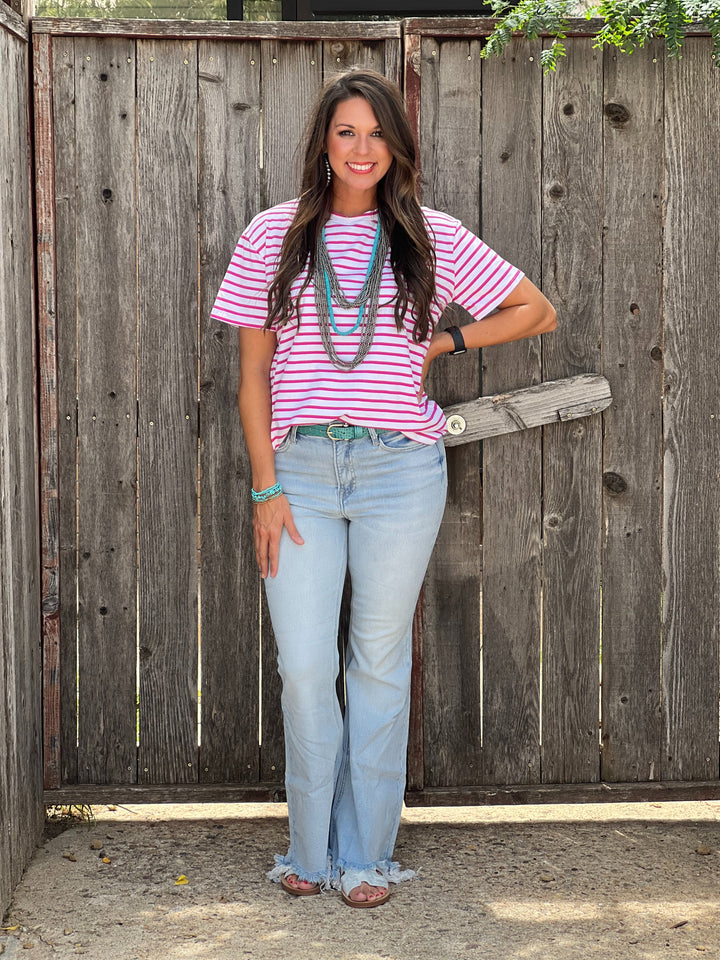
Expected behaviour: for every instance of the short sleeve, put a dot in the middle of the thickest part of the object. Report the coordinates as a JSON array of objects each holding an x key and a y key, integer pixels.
[
  {"x": 242, "y": 297},
  {"x": 482, "y": 278}
]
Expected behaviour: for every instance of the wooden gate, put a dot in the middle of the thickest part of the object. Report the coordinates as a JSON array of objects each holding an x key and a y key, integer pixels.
[{"x": 568, "y": 633}]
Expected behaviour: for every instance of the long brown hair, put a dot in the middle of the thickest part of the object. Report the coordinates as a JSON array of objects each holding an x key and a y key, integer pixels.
[{"x": 411, "y": 253}]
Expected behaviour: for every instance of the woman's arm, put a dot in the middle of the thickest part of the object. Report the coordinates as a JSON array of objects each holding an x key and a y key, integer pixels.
[
  {"x": 257, "y": 348},
  {"x": 525, "y": 312}
]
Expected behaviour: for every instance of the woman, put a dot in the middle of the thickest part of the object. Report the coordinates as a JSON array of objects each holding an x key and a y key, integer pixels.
[{"x": 337, "y": 297}]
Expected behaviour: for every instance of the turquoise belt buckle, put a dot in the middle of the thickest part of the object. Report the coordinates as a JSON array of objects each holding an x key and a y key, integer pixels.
[
  {"x": 345, "y": 431},
  {"x": 339, "y": 431}
]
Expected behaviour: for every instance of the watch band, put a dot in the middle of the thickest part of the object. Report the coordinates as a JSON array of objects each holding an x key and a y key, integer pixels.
[{"x": 458, "y": 340}]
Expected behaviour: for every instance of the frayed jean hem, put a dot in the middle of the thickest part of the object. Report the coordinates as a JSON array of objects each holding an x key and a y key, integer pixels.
[
  {"x": 285, "y": 866},
  {"x": 346, "y": 876},
  {"x": 343, "y": 875}
]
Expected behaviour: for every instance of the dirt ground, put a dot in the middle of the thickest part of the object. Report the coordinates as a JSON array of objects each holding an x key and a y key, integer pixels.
[{"x": 625, "y": 881}]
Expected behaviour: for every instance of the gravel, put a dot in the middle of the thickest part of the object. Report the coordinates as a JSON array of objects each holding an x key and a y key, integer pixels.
[{"x": 627, "y": 881}]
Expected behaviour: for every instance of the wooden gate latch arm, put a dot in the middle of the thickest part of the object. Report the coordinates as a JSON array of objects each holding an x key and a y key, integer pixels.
[{"x": 548, "y": 402}]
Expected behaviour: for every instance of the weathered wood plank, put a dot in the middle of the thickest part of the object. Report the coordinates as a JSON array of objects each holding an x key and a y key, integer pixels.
[
  {"x": 66, "y": 267},
  {"x": 9, "y": 637},
  {"x": 340, "y": 55},
  {"x": 450, "y": 160},
  {"x": 461, "y": 27},
  {"x": 217, "y": 29},
  {"x": 393, "y": 60},
  {"x": 21, "y": 709},
  {"x": 274, "y": 792},
  {"x": 572, "y": 455},
  {"x": 47, "y": 402},
  {"x": 691, "y": 506},
  {"x": 107, "y": 407},
  {"x": 168, "y": 409},
  {"x": 292, "y": 78},
  {"x": 12, "y": 23},
  {"x": 26, "y": 562},
  {"x": 566, "y": 793},
  {"x": 505, "y": 413},
  {"x": 229, "y": 190},
  {"x": 632, "y": 441},
  {"x": 9, "y": 787},
  {"x": 512, "y": 464},
  {"x": 416, "y": 732}
]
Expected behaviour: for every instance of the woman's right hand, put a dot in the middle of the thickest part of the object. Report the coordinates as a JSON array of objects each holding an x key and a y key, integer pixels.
[{"x": 269, "y": 518}]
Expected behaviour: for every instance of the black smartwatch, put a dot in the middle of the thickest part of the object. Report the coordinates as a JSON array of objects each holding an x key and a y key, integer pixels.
[{"x": 458, "y": 340}]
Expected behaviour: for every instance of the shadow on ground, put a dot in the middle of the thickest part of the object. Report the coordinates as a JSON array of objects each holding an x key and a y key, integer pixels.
[{"x": 627, "y": 881}]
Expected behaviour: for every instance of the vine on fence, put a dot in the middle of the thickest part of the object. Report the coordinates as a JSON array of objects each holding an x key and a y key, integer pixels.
[{"x": 628, "y": 24}]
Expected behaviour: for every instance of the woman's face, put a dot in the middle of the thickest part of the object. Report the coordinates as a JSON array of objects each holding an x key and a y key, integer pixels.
[{"x": 358, "y": 154}]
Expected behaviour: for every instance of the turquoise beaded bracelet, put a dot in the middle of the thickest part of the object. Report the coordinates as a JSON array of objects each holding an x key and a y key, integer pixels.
[{"x": 271, "y": 493}]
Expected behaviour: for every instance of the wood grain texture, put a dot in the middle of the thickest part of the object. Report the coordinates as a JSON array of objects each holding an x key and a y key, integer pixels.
[
  {"x": 416, "y": 732},
  {"x": 341, "y": 55},
  {"x": 8, "y": 785},
  {"x": 528, "y": 407},
  {"x": 107, "y": 408},
  {"x": 220, "y": 29},
  {"x": 450, "y": 159},
  {"x": 45, "y": 252},
  {"x": 12, "y": 25},
  {"x": 168, "y": 409},
  {"x": 512, "y": 464},
  {"x": 229, "y": 135},
  {"x": 566, "y": 793},
  {"x": 632, "y": 439},
  {"x": 459, "y": 27},
  {"x": 572, "y": 262},
  {"x": 274, "y": 792},
  {"x": 66, "y": 268},
  {"x": 691, "y": 504},
  {"x": 292, "y": 76},
  {"x": 21, "y": 811}
]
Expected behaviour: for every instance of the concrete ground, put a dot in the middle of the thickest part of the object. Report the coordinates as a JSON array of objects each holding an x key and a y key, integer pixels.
[{"x": 625, "y": 881}]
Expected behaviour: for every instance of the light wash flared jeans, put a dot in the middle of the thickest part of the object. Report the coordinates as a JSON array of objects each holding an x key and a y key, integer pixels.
[{"x": 372, "y": 506}]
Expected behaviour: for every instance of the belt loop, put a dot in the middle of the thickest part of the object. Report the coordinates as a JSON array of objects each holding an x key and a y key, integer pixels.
[{"x": 372, "y": 433}]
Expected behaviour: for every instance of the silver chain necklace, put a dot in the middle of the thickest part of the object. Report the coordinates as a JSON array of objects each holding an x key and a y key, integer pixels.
[{"x": 328, "y": 291}]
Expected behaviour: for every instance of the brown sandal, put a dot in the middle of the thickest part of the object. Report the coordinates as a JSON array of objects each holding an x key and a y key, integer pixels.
[
  {"x": 294, "y": 891},
  {"x": 365, "y": 904}
]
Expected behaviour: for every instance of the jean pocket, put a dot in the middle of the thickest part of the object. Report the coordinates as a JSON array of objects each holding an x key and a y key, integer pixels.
[
  {"x": 396, "y": 440},
  {"x": 287, "y": 440}
]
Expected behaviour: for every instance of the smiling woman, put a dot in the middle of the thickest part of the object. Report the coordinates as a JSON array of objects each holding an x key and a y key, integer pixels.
[
  {"x": 338, "y": 296},
  {"x": 358, "y": 155}
]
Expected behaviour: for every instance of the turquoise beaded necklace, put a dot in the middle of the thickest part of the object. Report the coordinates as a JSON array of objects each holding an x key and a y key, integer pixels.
[{"x": 363, "y": 293}]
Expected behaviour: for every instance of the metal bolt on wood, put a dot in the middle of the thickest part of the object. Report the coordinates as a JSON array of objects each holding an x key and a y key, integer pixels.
[{"x": 456, "y": 425}]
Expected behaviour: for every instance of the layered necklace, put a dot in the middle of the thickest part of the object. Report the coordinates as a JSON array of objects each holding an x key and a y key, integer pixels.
[{"x": 328, "y": 291}]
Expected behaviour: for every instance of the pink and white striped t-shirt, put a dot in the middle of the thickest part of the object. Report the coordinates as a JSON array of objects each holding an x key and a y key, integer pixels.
[{"x": 382, "y": 391}]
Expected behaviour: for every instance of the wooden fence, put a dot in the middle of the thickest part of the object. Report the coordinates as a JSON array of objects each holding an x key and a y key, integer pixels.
[
  {"x": 568, "y": 633},
  {"x": 21, "y": 810}
]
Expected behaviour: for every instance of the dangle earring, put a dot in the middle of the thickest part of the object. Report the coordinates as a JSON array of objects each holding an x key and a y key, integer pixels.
[{"x": 328, "y": 169}]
